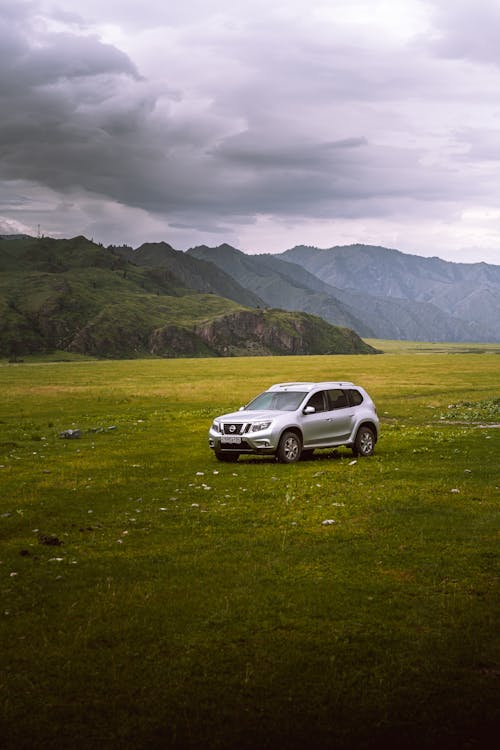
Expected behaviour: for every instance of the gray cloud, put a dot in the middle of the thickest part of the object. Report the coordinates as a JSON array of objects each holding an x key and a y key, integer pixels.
[
  {"x": 120, "y": 118},
  {"x": 468, "y": 30}
]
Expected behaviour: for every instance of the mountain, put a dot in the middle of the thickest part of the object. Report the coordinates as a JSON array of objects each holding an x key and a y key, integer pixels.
[
  {"x": 198, "y": 275},
  {"x": 467, "y": 292},
  {"x": 298, "y": 280},
  {"x": 284, "y": 285},
  {"x": 78, "y": 296},
  {"x": 74, "y": 295}
]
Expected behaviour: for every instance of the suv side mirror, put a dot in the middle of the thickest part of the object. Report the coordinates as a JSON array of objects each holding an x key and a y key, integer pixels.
[{"x": 309, "y": 410}]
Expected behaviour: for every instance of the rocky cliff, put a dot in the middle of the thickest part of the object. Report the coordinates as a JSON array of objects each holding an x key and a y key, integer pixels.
[{"x": 258, "y": 332}]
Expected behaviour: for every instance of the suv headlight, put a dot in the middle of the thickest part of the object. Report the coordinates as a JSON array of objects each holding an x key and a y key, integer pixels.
[
  {"x": 216, "y": 426},
  {"x": 258, "y": 426}
]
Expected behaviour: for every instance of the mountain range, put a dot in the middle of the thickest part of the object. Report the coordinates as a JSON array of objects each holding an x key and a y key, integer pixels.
[
  {"x": 76, "y": 296},
  {"x": 377, "y": 291},
  {"x": 79, "y": 296}
]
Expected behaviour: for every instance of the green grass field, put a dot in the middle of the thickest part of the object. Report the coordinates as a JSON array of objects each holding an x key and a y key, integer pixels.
[{"x": 154, "y": 598}]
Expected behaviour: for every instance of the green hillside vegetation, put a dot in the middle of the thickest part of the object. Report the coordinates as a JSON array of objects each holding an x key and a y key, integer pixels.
[
  {"x": 76, "y": 296},
  {"x": 195, "y": 273}
]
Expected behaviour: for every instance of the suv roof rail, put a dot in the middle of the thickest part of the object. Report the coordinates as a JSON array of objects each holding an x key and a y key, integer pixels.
[{"x": 309, "y": 385}]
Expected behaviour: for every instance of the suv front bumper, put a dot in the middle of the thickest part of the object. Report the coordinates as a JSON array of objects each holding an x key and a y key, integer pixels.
[{"x": 262, "y": 441}]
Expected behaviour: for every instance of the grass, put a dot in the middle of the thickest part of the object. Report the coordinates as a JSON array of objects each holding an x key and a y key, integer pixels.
[
  {"x": 426, "y": 347},
  {"x": 151, "y": 597}
]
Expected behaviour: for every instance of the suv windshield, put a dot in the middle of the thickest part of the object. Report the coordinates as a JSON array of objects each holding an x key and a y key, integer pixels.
[{"x": 277, "y": 401}]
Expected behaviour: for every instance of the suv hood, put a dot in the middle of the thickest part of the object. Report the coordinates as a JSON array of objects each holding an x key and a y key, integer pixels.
[{"x": 251, "y": 415}]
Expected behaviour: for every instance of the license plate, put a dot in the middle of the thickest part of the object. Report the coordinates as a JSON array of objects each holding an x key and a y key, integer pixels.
[{"x": 231, "y": 439}]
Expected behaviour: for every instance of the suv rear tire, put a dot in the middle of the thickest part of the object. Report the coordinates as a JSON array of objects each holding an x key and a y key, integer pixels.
[
  {"x": 289, "y": 448},
  {"x": 364, "y": 445}
]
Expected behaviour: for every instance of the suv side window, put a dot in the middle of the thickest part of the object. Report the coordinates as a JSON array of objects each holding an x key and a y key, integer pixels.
[
  {"x": 318, "y": 401},
  {"x": 337, "y": 399},
  {"x": 355, "y": 397}
]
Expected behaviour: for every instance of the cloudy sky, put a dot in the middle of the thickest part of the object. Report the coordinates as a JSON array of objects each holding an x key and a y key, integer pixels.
[{"x": 262, "y": 124}]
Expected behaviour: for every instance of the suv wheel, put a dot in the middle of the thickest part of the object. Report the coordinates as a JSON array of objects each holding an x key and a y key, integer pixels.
[
  {"x": 289, "y": 448},
  {"x": 364, "y": 445}
]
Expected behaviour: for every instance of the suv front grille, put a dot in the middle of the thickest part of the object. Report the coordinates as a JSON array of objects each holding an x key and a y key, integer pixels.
[{"x": 232, "y": 428}]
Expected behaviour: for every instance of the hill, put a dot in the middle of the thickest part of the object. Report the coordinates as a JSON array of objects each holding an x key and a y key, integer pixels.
[
  {"x": 74, "y": 295},
  {"x": 198, "y": 275}
]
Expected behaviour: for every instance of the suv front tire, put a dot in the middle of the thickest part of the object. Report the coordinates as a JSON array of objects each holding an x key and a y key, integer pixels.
[{"x": 289, "y": 448}]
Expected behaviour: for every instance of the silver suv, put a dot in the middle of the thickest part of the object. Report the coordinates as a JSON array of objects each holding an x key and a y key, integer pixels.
[{"x": 290, "y": 420}]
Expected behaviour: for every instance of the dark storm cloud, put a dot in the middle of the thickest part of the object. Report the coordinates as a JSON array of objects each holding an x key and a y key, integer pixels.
[
  {"x": 49, "y": 85},
  {"x": 217, "y": 115},
  {"x": 263, "y": 154},
  {"x": 73, "y": 110}
]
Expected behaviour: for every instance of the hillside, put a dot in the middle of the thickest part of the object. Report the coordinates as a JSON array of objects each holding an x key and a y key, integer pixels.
[
  {"x": 198, "y": 275},
  {"x": 76, "y": 296}
]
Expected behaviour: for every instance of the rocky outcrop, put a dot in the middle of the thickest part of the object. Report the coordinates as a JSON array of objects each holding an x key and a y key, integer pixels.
[
  {"x": 247, "y": 331},
  {"x": 178, "y": 341},
  {"x": 257, "y": 332}
]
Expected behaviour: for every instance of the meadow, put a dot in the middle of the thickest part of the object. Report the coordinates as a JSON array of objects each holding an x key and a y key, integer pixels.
[{"x": 151, "y": 597}]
